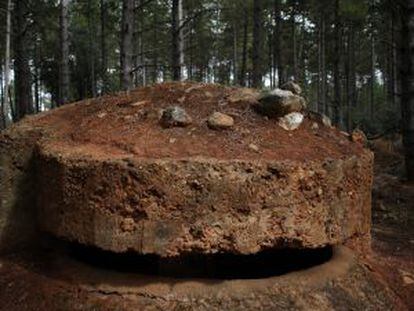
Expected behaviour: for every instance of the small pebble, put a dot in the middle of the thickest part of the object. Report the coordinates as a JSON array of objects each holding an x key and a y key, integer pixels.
[
  {"x": 291, "y": 121},
  {"x": 326, "y": 121},
  {"x": 220, "y": 121},
  {"x": 359, "y": 137},
  {"x": 407, "y": 280},
  {"x": 128, "y": 225},
  {"x": 254, "y": 147},
  {"x": 139, "y": 104}
]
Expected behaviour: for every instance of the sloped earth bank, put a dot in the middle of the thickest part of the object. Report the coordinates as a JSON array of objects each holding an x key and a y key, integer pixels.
[
  {"x": 42, "y": 161},
  {"x": 393, "y": 221}
]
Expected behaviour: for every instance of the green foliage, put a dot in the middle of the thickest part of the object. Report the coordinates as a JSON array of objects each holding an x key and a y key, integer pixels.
[
  {"x": 214, "y": 47},
  {"x": 353, "y": 9}
]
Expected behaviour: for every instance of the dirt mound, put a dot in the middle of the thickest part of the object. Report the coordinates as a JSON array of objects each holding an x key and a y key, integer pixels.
[
  {"x": 128, "y": 124},
  {"x": 113, "y": 176}
]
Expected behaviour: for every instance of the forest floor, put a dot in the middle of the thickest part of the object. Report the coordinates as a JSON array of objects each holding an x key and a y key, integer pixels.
[{"x": 393, "y": 223}]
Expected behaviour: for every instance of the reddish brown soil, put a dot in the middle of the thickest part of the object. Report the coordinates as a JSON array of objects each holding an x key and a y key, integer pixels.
[
  {"x": 393, "y": 222},
  {"x": 127, "y": 124}
]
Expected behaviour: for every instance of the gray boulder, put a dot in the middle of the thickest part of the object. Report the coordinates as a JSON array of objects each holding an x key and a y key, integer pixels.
[
  {"x": 175, "y": 117},
  {"x": 220, "y": 121},
  {"x": 278, "y": 103},
  {"x": 291, "y": 121},
  {"x": 293, "y": 87}
]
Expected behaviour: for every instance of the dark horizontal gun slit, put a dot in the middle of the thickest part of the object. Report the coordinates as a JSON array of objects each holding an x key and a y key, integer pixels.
[{"x": 265, "y": 264}]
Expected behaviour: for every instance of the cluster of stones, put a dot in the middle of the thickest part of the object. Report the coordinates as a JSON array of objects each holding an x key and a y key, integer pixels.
[
  {"x": 177, "y": 116},
  {"x": 285, "y": 104}
]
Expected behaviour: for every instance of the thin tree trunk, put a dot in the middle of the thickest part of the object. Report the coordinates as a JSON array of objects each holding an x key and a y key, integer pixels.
[
  {"x": 257, "y": 44},
  {"x": 322, "y": 107},
  {"x": 155, "y": 56},
  {"x": 91, "y": 33},
  {"x": 2, "y": 110},
  {"x": 127, "y": 29},
  {"x": 64, "y": 53},
  {"x": 104, "y": 59},
  {"x": 337, "y": 80},
  {"x": 277, "y": 35},
  {"x": 302, "y": 69},
  {"x": 270, "y": 59},
  {"x": 36, "y": 75},
  {"x": 177, "y": 60},
  {"x": 323, "y": 79},
  {"x": 350, "y": 76},
  {"x": 6, "y": 65},
  {"x": 175, "y": 56},
  {"x": 396, "y": 78},
  {"x": 23, "y": 86},
  {"x": 390, "y": 62},
  {"x": 141, "y": 43},
  {"x": 243, "y": 69},
  {"x": 372, "y": 70},
  {"x": 294, "y": 42},
  {"x": 407, "y": 73},
  {"x": 181, "y": 36},
  {"x": 235, "y": 58}
]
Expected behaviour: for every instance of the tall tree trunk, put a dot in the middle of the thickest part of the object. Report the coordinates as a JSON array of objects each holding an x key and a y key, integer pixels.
[
  {"x": 23, "y": 86},
  {"x": 104, "y": 57},
  {"x": 5, "y": 99},
  {"x": 91, "y": 34},
  {"x": 257, "y": 44},
  {"x": 177, "y": 60},
  {"x": 372, "y": 67},
  {"x": 294, "y": 42},
  {"x": 2, "y": 110},
  {"x": 141, "y": 48},
  {"x": 323, "y": 73},
  {"x": 302, "y": 65},
  {"x": 390, "y": 61},
  {"x": 64, "y": 77},
  {"x": 243, "y": 69},
  {"x": 235, "y": 54},
  {"x": 181, "y": 36},
  {"x": 277, "y": 39},
  {"x": 270, "y": 59},
  {"x": 322, "y": 80},
  {"x": 155, "y": 56},
  {"x": 37, "y": 75},
  {"x": 407, "y": 73},
  {"x": 127, "y": 29},
  {"x": 396, "y": 62},
  {"x": 337, "y": 79},
  {"x": 350, "y": 75}
]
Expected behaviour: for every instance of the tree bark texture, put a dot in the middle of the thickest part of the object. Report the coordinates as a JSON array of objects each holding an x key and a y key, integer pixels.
[{"x": 127, "y": 30}]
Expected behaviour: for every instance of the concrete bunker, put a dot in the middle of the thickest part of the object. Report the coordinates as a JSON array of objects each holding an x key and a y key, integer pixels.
[{"x": 191, "y": 181}]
